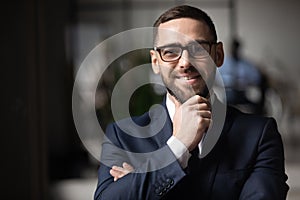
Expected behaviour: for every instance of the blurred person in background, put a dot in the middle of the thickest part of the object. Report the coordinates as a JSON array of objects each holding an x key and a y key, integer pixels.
[{"x": 245, "y": 85}]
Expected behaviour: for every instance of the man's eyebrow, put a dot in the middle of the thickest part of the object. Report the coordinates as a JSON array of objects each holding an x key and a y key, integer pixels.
[
  {"x": 175, "y": 44},
  {"x": 202, "y": 41}
]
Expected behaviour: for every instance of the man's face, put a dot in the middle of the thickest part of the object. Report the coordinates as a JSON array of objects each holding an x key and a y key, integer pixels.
[{"x": 187, "y": 75}]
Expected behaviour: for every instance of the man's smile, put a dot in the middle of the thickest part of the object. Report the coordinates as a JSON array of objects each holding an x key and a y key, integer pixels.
[{"x": 190, "y": 79}]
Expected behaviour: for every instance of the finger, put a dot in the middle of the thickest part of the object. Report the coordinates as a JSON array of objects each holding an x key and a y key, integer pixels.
[
  {"x": 120, "y": 171},
  {"x": 196, "y": 99},
  {"x": 201, "y": 106},
  {"x": 128, "y": 167},
  {"x": 177, "y": 104},
  {"x": 204, "y": 123},
  {"x": 117, "y": 174},
  {"x": 209, "y": 124},
  {"x": 205, "y": 101},
  {"x": 117, "y": 168},
  {"x": 114, "y": 174},
  {"x": 205, "y": 114}
]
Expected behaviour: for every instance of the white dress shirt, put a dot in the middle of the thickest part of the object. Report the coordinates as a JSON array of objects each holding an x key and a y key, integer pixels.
[{"x": 177, "y": 147}]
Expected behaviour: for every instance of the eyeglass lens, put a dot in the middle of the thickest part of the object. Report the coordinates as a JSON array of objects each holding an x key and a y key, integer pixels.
[{"x": 174, "y": 52}]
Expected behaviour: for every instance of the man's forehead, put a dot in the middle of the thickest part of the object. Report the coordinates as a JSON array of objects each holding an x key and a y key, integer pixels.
[
  {"x": 166, "y": 36},
  {"x": 182, "y": 30}
]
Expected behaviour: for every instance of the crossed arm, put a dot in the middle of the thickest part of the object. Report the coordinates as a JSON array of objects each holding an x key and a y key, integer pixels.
[
  {"x": 136, "y": 185},
  {"x": 118, "y": 172}
]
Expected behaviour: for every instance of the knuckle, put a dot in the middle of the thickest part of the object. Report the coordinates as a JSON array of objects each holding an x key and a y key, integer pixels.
[{"x": 209, "y": 113}]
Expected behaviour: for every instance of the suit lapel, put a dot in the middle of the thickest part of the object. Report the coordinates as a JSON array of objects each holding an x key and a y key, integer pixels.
[
  {"x": 166, "y": 132},
  {"x": 212, "y": 160},
  {"x": 203, "y": 172}
]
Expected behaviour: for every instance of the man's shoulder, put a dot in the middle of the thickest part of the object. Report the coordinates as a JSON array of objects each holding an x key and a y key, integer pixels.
[
  {"x": 141, "y": 121},
  {"x": 155, "y": 114},
  {"x": 142, "y": 126},
  {"x": 249, "y": 122},
  {"x": 238, "y": 114}
]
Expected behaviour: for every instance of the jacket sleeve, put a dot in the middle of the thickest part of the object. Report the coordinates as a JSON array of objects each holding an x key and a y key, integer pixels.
[
  {"x": 153, "y": 184},
  {"x": 268, "y": 179}
]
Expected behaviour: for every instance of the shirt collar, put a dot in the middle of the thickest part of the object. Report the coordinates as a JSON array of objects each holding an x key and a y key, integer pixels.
[{"x": 171, "y": 106}]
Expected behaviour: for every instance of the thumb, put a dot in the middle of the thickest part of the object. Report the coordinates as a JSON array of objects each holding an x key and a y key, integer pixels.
[
  {"x": 175, "y": 101},
  {"x": 176, "y": 117},
  {"x": 177, "y": 104}
]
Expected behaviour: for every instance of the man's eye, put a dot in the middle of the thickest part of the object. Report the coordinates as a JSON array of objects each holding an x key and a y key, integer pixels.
[
  {"x": 170, "y": 51},
  {"x": 197, "y": 48}
]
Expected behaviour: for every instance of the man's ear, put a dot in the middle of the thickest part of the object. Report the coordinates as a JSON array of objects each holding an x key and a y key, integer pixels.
[
  {"x": 219, "y": 54},
  {"x": 154, "y": 62}
]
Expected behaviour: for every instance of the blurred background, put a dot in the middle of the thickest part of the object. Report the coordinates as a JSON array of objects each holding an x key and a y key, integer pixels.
[{"x": 44, "y": 42}]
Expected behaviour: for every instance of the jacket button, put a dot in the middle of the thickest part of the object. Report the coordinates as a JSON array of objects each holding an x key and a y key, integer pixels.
[
  {"x": 164, "y": 190},
  {"x": 158, "y": 191},
  {"x": 170, "y": 181}
]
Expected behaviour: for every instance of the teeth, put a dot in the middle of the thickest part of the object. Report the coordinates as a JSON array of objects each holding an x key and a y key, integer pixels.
[{"x": 187, "y": 78}]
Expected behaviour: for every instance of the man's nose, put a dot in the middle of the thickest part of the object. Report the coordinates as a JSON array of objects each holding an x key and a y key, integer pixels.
[{"x": 184, "y": 61}]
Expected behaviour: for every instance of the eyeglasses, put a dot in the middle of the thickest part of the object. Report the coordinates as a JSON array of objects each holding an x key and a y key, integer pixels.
[{"x": 197, "y": 50}]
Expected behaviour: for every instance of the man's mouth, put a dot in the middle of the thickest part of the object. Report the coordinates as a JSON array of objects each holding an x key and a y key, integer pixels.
[
  {"x": 191, "y": 80},
  {"x": 190, "y": 77}
]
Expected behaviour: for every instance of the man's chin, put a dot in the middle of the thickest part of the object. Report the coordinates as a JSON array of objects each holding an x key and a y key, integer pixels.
[
  {"x": 204, "y": 93},
  {"x": 183, "y": 98},
  {"x": 180, "y": 97}
]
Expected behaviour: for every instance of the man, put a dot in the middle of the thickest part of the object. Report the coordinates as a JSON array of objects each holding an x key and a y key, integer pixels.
[
  {"x": 239, "y": 76},
  {"x": 247, "y": 161}
]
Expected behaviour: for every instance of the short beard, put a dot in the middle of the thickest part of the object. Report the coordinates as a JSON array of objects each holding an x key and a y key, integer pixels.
[
  {"x": 175, "y": 96},
  {"x": 204, "y": 93}
]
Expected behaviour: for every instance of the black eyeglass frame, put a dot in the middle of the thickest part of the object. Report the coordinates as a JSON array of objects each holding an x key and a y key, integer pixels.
[{"x": 158, "y": 49}]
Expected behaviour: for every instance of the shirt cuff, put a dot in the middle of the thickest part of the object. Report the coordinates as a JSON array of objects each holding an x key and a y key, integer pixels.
[{"x": 179, "y": 150}]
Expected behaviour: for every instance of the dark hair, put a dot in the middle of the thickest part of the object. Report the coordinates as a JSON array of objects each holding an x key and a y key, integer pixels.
[{"x": 185, "y": 11}]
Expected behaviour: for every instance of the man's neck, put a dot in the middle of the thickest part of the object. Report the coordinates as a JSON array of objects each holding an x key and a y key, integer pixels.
[{"x": 170, "y": 103}]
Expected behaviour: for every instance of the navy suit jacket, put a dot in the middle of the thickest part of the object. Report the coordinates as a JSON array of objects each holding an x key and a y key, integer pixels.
[{"x": 247, "y": 162}]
